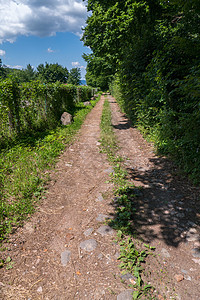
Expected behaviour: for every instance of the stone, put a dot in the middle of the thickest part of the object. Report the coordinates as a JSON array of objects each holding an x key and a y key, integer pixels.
[
  {"x": 87, "y": 103},
  {"x": 165, "y": 253},
  {"x": 99, "y": 198},
  {"x": 187, "y": 277},
  {"x": 196, "y": 261},
  {"x": 29, "y": 228},
  {"x": 109, "y": 170},
  {"x": 66, "y": 118},
  {"x": 100, "y": 256},
  {"x": 65, "y": 257},
  {"x": 125, "y": 295},
  {"x": 105, "y": 230},
  {"x": 88, "y": 231},
  {"x": 179, "y": 277},
  {"x": 129, "y": 277},
  {"x": 39, "y": 290},
  {"x": 102, "y": 217},
  {"x": 88, "y": 245},
  {"x": 196, "y": 252},
  {"x": 192, "y": 235},
  {"x": 190, "y": 223}
]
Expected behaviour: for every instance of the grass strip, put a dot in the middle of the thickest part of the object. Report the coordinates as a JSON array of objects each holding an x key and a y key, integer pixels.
[
  {"x": 24, "y": 170},
  {"x": 130, "y": 257}
]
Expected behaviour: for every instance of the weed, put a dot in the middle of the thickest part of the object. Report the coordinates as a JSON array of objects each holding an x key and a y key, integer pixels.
[{"x": 8, "y": 263}]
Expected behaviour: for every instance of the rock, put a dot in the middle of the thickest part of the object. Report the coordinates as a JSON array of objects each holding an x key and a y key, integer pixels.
[
  {"x": 99, "y": 198},
  {"x": 180, "y": 215},
  {"x": 165, "y": 253},
  {"x": 29, "y": 228},
  {"x": 109, "y": 170},
  {"x": 196, "y": 252},
  {"x": 100, "y": 256},
  {"x": 125, "y": 295},
  {"x": 192, "y": 235},
  {"x": 196, "y": 261},
  {"x": 65, "y": 257},
  {"x": 105, "y": 230},
  {"x": 102, "y": 217},
  {"x": 87, "y": 103},
  {"x": 66, "y": 118},
  {"x": 190, "y": 223},
  {"x": 129, "y": 277},
  {"x": 88, "y": 245},
  {"x": 39, "y": 290},
  {"x": 179, "y": 277},
  {"x": 187, "y": 277},
  {"x": 88, "y": 231}
]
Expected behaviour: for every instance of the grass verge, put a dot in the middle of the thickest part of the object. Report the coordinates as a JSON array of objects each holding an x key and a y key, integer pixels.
[
  {"x": 131, "y": 258},
  {"x": 24, "y": 170}
]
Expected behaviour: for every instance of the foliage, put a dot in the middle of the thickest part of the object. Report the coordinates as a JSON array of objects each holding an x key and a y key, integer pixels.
[
  {"x": 2, "y": 70},
  {"x": 74, "y": 76},
  {"x": 27, "y": 74},
  {"x": 51, "y": 73},
  {"x": 84, "y": 93},
  {"x": 152, "y": 49},
  {"x": 34, "y": 106},
  {"x": 99, "y": 71}
]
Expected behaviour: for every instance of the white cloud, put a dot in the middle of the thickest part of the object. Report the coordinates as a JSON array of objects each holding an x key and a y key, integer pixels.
[
  {"x": 75, "y": 64},
  {"x": 40, "y": 17},
  {"x": 2, "y": 52},
  {"x": 17, "y": 67},
  {"x": 49, "y": 50},
  {"x": 14, "y": 67}
]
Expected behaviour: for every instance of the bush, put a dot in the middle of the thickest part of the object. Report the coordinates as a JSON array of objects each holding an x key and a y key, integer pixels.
[{"x": 32, "y": 106}]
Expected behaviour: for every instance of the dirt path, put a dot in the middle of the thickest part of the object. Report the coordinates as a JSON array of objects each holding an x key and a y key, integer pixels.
[
  {"x": 66, "y": 251},
  {"x": 167, "y": 214}
]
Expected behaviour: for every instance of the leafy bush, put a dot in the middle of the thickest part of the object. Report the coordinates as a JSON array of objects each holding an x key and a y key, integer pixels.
[
  {"x": 32, "y": 106},
  {"x": 84, "y": 93}
]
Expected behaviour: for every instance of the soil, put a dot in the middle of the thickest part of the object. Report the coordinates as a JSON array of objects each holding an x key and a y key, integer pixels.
[{"x": 66, "y": 251}]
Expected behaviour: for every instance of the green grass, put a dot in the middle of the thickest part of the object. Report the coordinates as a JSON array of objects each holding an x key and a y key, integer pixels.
[
  {"x": 24, "y": 170},
  {"x": 130, "y": 257}
]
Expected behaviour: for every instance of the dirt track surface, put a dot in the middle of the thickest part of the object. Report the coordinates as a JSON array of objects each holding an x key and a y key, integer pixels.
[{"x": 66, "y": 252}]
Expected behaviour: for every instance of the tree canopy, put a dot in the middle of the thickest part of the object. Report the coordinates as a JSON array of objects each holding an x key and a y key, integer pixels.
[
  {"x": 148, "y": 53},
  {"x": 52, "y": 73},
  {"x": 74, "y": 76}
]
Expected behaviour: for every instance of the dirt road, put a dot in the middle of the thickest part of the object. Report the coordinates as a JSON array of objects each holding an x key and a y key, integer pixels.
[{"x": 67, "y": 252}]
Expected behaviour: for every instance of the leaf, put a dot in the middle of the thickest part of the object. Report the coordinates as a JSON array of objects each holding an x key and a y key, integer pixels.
[{"x": 8, "y": 259}]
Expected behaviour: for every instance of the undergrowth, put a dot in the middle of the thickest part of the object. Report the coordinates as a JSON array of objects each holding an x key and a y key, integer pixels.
[
  {"x": 24, "y": 170},
  {"x": 131, "y": 257}
]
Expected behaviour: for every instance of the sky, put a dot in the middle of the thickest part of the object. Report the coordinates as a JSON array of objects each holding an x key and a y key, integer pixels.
[{"x": 38, "y": 31}]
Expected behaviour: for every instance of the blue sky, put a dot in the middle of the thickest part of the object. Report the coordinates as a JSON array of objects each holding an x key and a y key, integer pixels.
[{"x": 39, "y": 31}]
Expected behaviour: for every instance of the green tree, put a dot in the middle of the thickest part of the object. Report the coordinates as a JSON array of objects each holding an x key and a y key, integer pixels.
[
  {"x": 2, "y": 70},
  {"x": 52, "y": 73},
  {"x": 98, "y": 72},
  {"x": 74, "y": 76},
  {"x": 28, "y": 74},
  {"x": 152, "y": 49}
]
